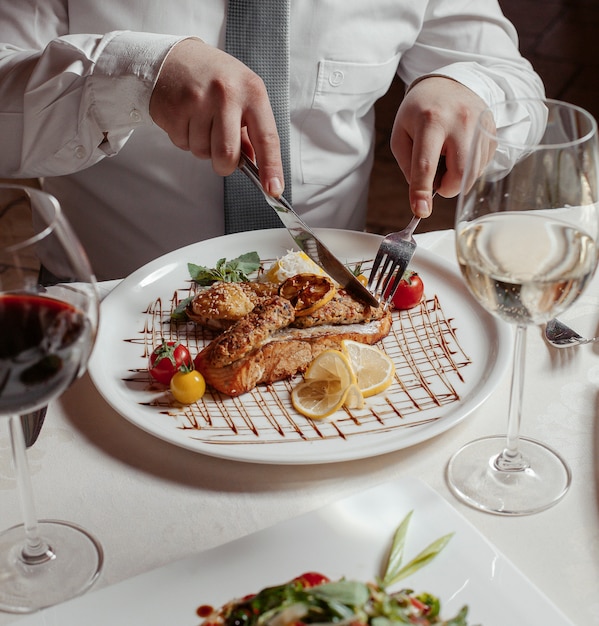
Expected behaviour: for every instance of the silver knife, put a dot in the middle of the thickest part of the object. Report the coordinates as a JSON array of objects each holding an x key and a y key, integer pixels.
[{"x": 308, "y": 241}]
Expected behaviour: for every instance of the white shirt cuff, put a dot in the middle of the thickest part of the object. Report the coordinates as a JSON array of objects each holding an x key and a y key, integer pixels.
[{"x": 124, "y": 77}]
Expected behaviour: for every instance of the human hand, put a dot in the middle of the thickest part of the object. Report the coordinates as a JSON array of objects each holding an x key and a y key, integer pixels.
[
  {"x": 437, "y": 117},
  {"x": 213, "y": 105}
]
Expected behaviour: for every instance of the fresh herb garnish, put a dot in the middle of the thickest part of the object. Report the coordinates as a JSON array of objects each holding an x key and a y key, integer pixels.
[
  {"x": 394, "y": 572},
  {"x": 179, "y": 313},
  {"x": 233, "y": 271},
  {"x": 357, "y": 269}
]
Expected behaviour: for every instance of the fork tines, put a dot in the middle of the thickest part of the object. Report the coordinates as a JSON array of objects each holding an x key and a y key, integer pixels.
[
  {"x": 391, "y": 261},
  {"x": 396, "y": 250}
]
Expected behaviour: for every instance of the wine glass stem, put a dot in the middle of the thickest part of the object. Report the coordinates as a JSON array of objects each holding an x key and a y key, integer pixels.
[
  {"x": 511, "y": 458},
  {"x": 35, "y": 549}
]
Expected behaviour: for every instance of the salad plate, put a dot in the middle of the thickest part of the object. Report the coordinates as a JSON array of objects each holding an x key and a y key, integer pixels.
[
  {"x": 448, "y": 352},
  {"x": 349, "y": 538}
]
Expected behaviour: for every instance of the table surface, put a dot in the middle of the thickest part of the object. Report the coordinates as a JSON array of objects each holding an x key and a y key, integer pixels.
[{"x": 151, "y": 503}]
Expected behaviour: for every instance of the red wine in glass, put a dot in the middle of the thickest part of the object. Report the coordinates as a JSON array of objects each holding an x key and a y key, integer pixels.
[
  {"x": 42, "y": 343},
  {"x": 47, "y": 330}
]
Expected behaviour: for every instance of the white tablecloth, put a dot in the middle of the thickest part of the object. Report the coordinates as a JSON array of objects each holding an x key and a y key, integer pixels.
[{"x": 151, "y": 503}]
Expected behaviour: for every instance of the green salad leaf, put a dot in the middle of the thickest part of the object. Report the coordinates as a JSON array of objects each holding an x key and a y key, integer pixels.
[{"x": 347, "y": 592}]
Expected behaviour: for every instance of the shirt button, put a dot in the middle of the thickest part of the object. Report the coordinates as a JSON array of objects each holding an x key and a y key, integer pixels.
[
  {"x": 135, "y": 115},
  {"x": 80, "y": 152},
  {"x": 336, "y": 78}
]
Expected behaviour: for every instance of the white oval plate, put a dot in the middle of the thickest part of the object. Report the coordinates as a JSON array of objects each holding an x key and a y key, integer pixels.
[{"x": 449, "y": 354}]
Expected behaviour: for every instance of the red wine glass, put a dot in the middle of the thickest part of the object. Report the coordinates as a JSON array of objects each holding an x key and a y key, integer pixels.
[{"x": 48, "y": 322}]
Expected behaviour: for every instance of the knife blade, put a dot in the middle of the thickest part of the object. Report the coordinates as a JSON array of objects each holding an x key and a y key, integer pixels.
[{"x": 307, "y": 241}]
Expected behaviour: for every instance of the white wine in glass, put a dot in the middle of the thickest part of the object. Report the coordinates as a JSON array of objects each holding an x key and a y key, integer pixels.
[
  {"x": 527, "y": 229},
  {"x": 48, "y": 323}
]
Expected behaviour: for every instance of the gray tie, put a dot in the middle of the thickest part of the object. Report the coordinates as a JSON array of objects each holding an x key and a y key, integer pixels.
[{"x": 258, "y": 34}]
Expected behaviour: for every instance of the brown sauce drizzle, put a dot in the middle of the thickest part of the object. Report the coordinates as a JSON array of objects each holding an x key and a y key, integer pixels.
[{"x": 423, "y": 343}]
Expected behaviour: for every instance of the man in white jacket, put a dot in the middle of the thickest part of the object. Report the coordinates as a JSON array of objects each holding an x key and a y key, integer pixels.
[{"x": 132, "y": 113}]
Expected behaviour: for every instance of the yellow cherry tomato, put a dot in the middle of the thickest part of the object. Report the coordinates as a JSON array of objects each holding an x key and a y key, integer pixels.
[{"x": 187, "y": 387}]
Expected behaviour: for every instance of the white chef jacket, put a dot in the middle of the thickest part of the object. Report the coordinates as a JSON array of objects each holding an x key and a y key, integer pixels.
[{"x": 76, "y": 78}]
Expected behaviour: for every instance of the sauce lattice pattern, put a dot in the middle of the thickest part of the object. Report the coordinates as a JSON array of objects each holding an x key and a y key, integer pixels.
[{"x": 422, "y": 343}]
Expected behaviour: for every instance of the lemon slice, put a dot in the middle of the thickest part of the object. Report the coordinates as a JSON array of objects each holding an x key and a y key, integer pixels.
[
  {"x": 292, "y": 263},
  {"x": 374, "y": 370},
  {"x": 353, "y": 397},
  {"x": 307, "y": 292},
  {"x": 318, "y": 398},
  {"x": 331, "y": 365},
  {"x": 327, "y": 382}
]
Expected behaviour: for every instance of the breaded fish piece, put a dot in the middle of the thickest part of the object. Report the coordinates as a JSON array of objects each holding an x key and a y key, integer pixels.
[
  {"x": 270, "y": 343},
  {"x": 251, "y": 331},
  {"x": 285, "y": 353},
  {"x": 222, "y": 304},
  {"x": 342, "y": 309}
]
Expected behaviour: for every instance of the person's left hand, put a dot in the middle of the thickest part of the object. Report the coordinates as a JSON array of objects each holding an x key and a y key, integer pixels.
[{"x": 437, "y": 117}]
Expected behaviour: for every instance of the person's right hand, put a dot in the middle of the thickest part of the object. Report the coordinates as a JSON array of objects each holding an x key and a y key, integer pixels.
[{"x": 211, "y": 104}]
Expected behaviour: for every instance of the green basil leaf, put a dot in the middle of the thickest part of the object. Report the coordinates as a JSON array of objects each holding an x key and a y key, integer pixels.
[
  {"x": 234, "y": 271},
  {"x": 179, "y": 313},
  {"x": 202, "y": 275},
  {"x": 248, "y": 262}
]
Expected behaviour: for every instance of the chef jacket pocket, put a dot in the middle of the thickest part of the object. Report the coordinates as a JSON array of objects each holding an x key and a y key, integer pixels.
[{"x": 336, "y": 135}]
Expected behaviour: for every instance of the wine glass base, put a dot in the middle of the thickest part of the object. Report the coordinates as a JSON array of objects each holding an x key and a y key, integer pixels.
[
  {"x": 73, "y": 568},
  {"x": 474, "y": 478}
]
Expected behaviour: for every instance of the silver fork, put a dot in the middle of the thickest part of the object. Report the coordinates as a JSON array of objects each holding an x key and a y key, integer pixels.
[
  {"x": 396, "y": 251},
  {"x": 561, "y": 336}
]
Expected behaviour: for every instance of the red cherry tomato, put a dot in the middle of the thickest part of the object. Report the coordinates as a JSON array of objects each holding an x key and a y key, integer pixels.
[
  {"x": 311, "y": 579},
  {"x": 167, "y": 359},
  {"x": 409, "y": 292}
]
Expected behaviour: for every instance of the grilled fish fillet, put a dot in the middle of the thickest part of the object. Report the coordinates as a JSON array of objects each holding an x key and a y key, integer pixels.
[
  {"x": 251, "y": 331},
  {"x": 222, "y": 304},
  {"x": 261, "y": 350},
  {"x": 342, "y": 309}
]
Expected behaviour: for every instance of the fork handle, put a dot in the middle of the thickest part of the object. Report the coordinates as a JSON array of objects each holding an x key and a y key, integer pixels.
[{"x": 411, "y": 227}]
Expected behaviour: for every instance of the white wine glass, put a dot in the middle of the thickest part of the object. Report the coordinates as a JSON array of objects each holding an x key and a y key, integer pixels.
[
  {"x": 48, "y": 323},
  {"x": 527, "y": 230}
]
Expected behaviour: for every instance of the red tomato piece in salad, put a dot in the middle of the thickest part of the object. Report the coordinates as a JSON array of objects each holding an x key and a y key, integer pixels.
[{"x": 312, "y": 579}]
